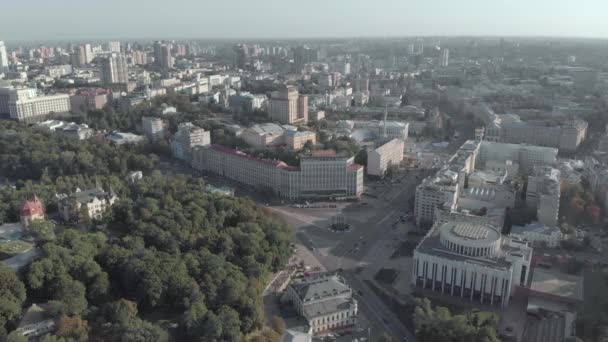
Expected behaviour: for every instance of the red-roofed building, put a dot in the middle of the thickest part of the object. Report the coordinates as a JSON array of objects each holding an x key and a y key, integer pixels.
[{"x": 31, "y": 210}]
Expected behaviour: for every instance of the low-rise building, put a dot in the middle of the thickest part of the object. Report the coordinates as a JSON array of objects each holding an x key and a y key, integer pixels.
[
  {"x": 272, "y": 135},
  {"x": 377, "y": 128},
  {"x": 296, "y": 140},
  {"x": 385, "y": 156},
  {"x": 121, "y": 138},
  {"x": 326, "y": 302},
  {"x": 538, "y": 234},
  {"x": 89, "y": 99},
  {"x": 31, "y": 211},
  {"x": 554, "y": 298},
  {"x": 92, "y": 202},
  {"x": 37, "y": 321},
  {"x": 69, "y": 130},
  {"x": 471, "y": 261}
]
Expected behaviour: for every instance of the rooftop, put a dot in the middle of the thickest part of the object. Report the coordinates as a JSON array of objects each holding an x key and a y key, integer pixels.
[
  {"x": 88, "y": 196},
  {"x": 320, "y": 287},
  {"x": 557, "y": 284},
  {"x": 274, "y": 163},
  {"x": 469, "y": 231},
  {"x": 536, "y": 228},
  {"x": 431, "y": 244},
  {"x": 328, "y": 306},
  {"x": 35, "y": 314}
]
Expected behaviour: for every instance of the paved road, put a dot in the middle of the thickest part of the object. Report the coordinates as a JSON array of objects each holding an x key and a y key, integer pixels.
[
  {"x": 380, "y": 316},
  {"x": 371, "y": 223}
]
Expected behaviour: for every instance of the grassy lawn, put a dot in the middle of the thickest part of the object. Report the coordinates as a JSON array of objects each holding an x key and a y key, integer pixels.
[
  {"x": 405, "y": 249},
  {"x": 14, "y": 247}
]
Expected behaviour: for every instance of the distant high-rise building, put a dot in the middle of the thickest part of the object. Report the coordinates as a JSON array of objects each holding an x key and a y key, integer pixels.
[
  {"x": 419, "y": 46},
  {"x": 3, "y": 57},
  {"x": 139, "y": 58},
  {"x": 114, "y": 69},
  {"x": 114, "y": 46},
  {"x": 287, "y": 106},
  {"x": 346, "y": 68},
  {"x": 79, "y": 56},
  {"x": 167, "y": 61},
  {"x": 241, "y": 59},
  {"x": 303, "y": 55},
  {"x": 88, "y": 53},
  {"x": 162, "y": 55},
  {"x": 410, "y": 49},
  {"x": 445, "y": 57}
]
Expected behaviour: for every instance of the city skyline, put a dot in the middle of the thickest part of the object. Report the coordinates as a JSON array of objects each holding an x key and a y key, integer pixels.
[{"x": 69, "y": 20}]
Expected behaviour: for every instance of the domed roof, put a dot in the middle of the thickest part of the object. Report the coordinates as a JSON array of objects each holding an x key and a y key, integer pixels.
[{"x": 469, "y": 234}]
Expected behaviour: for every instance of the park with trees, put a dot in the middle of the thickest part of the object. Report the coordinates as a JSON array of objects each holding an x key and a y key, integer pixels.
[{"x": 169, "y": 261}]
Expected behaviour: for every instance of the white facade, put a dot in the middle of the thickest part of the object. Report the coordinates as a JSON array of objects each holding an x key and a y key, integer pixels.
[
  {"x": 445, "y": 58},
  {"x": 318, "y": 176},
  {"x": 527, "y": 156},
  {"x": 3, "y": 58},
  {"x": 114, "y": 69},
  {"x": 471, "y": 261},
  {"x": 114, "y": 46},
  {"x": 509, "y": 128},
  {"x": 380, "y": 159},
  {"x": 70, "y": 130},
  {"x": 543, "y": 194},
  {"x": 388, "y": 129},
  {"x": 447, "y": 185},
  {"x": 536, "y": 233},
  {"x": 326, "y": 302},
  {"x": 24, "y": 104}
]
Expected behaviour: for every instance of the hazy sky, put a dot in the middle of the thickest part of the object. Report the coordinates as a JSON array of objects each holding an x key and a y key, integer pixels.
[{"x": 82, "y": 19}]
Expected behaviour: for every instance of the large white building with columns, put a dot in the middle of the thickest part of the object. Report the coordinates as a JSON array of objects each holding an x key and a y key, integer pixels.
[{"x": 471, "y": 261}]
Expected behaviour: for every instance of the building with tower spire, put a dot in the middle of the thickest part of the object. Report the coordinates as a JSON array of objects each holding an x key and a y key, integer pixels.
[{"x": 31, "y": 211}]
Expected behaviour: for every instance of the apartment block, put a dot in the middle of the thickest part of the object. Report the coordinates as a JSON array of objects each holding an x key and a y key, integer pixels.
[{"x": 385, "y": 156}]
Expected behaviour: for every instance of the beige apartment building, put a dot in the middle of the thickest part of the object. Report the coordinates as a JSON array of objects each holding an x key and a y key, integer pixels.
[
  {"x": 287, "y": 106},
  {"x": 385, "y": 156}
]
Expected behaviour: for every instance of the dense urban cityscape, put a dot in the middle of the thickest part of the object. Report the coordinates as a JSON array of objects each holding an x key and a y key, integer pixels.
[{"x": 416, "y": 188}]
